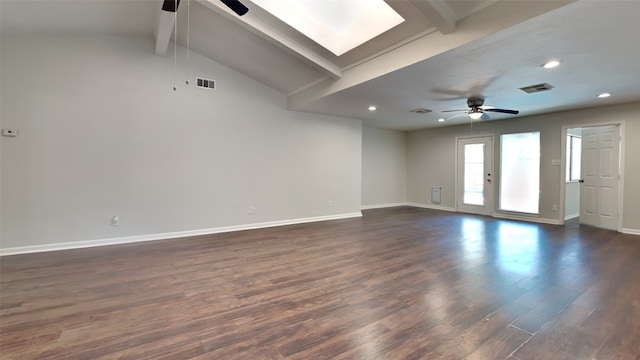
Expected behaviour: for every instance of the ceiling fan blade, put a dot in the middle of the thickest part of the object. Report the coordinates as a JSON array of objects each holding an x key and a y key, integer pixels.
[
  {"x": 454, "y": 94},
  {"x": 236, "y": 6},
  {"x": 504, "y": 111},
  {"x": 454, "y": 116},
  {"x": 170, "y": 5},
  {"x": 455, "y": 110}
]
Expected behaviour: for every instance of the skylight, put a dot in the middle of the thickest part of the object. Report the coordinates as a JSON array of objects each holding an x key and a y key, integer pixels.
[{"x": 337, "y": 25}]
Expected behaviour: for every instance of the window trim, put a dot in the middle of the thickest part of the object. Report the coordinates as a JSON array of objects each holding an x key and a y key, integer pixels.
[{"x": 569, "y": 159}]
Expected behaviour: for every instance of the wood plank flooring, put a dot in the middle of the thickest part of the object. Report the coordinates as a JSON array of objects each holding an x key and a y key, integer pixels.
[{"x": 401, "y": 283}]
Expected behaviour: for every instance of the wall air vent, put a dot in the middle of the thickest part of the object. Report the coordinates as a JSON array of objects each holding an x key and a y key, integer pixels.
[
  {"x": 205, "y": 83},
  {"x": 420, "y": 111},
  {"x": 537, "y": 88}
]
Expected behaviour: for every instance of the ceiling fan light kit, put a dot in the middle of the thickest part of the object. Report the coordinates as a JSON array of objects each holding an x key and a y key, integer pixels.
[
  {"x": 475, "y": 114},
  {"x": 478, "y": 109}
]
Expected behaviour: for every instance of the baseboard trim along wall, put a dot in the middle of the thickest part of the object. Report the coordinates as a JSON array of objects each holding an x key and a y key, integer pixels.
[
  {"x": 631, "y": 231},
  {"x": 526, "y": 218},
  {"x": 380, "y": 206},
  {"x": 433, "y": 207},
  {"x": 169, "y": 235}
]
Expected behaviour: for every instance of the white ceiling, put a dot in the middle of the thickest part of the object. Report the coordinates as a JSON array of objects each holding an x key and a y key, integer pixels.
[{"x": 445, "y": 51}]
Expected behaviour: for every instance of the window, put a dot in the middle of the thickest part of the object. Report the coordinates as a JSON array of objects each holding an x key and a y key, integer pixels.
[
  {"x": 574, "y": 148},
  {"x": 520, "y": 172},
  {"x": 338, "y": 26},
  {"x": 474, "y": 174}
]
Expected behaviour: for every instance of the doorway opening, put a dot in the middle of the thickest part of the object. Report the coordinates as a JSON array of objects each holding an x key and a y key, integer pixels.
[
  {"x": 592, "y": 180},
  {"x": 474, "y": 187}
]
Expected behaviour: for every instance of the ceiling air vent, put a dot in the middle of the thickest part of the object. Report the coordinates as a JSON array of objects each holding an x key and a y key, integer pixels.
[
  {"x": 537, "y": 88},
  {"x": 205, "y": 83},
  {"x": 420, "y": 111}
]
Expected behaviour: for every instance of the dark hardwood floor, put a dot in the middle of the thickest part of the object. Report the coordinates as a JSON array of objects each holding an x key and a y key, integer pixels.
[{"x": 402, "y": 283}]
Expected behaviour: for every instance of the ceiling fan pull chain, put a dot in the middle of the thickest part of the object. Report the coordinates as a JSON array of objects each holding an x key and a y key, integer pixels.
[
  {"x": 175, "y": 47},
  {"x": 188, "y": 30}
]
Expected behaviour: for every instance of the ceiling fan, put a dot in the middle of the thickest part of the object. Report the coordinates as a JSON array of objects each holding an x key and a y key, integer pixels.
[
  {"x": 478, "y": 110},
  {"x": 236, "y": 6}
]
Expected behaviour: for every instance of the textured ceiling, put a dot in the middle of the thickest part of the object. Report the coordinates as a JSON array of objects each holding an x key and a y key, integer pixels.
[{"x": 445, "y": 51}]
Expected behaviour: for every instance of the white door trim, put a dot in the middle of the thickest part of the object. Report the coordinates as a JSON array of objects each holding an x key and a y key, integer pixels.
[{"x": 563, "y": 166}]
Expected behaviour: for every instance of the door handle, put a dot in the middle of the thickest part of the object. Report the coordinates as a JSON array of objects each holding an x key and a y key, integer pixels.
[{"x": 581, "y": 180}]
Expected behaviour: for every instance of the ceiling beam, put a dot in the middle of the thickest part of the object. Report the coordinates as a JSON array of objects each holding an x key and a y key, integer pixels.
[
  {"x": 488, "y": 21},
  {"x": 164, "y": 25},
  {"x": 439, "y": 13}
]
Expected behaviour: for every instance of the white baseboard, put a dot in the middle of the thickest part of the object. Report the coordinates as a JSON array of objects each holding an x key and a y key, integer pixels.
[
  {"x": 526, "y": 218},
  {"x": 380, "y": 206},
  {"x": 496, "y": 215},
  {"x": 631, "y": 231},
  {"x": 169, "y": 235},
  {"x": 431, "y": 206}
]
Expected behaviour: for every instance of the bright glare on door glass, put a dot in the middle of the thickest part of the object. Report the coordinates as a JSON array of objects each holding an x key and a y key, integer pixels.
[
  {"x": 520, "y": 172},
  {"x": 474, "y": 174}
]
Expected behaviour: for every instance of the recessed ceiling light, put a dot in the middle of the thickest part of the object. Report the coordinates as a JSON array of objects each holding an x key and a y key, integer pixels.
[
  {"x": 551, "y": 64},
  {"x": 441, "y": 120},
  {"x": 372, "y": 108},
  {"x": 604, "y": 95}
]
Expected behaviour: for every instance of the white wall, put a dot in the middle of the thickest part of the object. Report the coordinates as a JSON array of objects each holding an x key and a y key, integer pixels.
[
  {"x": 101, "y": 132},
  {"x": 431, "y": 156},
  {"x": 384, "y": 167}
]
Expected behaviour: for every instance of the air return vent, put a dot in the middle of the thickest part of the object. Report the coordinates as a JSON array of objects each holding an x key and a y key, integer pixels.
[
  {"x": 205, "y": 83},
  {"x": 420, "y": 111},
  {"x": 536, "y": 88}
]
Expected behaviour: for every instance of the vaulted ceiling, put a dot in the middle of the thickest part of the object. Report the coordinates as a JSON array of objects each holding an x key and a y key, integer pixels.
[{"x": 444, "y": 52}]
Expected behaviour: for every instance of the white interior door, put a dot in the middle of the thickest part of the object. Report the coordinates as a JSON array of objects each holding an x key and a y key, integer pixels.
[
  {"x": 474, "y": 188},
  {"x": 600, "y": 176}
]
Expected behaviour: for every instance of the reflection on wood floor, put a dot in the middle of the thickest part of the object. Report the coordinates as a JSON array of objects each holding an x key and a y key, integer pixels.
[{"x": 401, "y": 283}]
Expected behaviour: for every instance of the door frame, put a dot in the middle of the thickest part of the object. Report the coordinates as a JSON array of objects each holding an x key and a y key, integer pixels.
[
  {"x": 563, "y": 166},
  {"x": 491, "y": 202}
]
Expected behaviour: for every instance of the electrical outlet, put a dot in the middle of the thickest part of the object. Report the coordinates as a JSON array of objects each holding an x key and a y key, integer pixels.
[
  {"x": 252, "y": 210},
  {"x": 9, "y": 132},
  {"x": 115, "y": 220},
  {"x": 554, "y": 208},
  {"x": 329, "y": 203}
]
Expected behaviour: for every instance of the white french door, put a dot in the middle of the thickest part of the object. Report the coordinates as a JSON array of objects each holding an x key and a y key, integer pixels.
[
  {"x": 474, "y": 187},
  {"x": 600, "y": 176}
]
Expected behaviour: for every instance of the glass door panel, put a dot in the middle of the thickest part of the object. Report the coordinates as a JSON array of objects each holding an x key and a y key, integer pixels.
[
  {"x": 474, "y": 174},
  {"x": 474, "y": 164}
]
